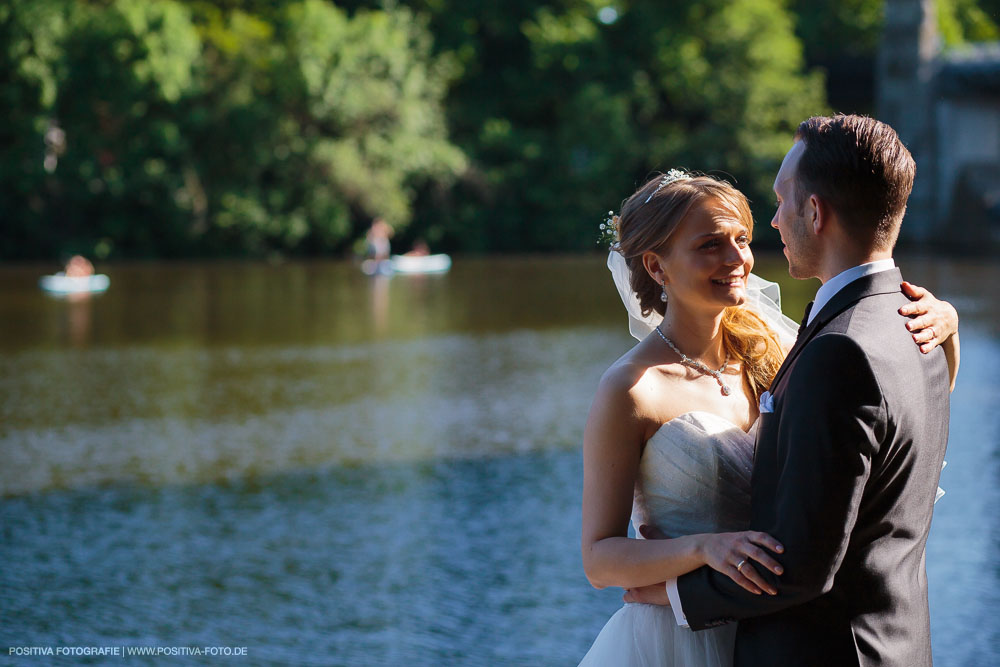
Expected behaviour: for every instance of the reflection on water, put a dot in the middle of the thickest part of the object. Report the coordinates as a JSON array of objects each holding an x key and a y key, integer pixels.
[
  {"x": 386, "y": 565},
  {"x": 329, "y": 468},
  {"x": 183, "y": 414},
  {"x": 962, "y": 553}
]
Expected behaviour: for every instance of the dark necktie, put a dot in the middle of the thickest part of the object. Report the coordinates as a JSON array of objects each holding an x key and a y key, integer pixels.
[{"x": 805, "y": 318}]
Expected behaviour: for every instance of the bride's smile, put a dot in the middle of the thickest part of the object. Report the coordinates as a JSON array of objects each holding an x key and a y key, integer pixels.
[{"x": 709, "y": 258}]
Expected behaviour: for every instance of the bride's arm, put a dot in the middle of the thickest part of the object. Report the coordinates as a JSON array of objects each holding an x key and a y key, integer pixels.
[
  {"x": 932, "y": 322},
  {"x": 612, "y": 445}
]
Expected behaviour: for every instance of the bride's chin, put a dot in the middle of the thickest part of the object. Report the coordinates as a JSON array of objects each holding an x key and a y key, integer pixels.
[{"x": 735, "y": 299}]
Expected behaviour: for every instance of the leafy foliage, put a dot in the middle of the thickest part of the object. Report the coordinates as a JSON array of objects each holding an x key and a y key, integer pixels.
[
  {"x": 588, "y": 108},
  {"x": 30, "y": 36},
  {"x": 179, "y": 129},
  {"x": 140, "y": 128},
  {"x": 346, "y": 122}
]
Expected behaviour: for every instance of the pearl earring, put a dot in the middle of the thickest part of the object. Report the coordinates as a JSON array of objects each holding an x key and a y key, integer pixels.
[{"x": 663, "y": 294}]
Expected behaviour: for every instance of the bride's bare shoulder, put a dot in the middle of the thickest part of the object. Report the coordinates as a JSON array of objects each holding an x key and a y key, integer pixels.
[
  {"x": 628, "y": 371},
  {"x": 636, "y": 380},
  {"x": 618, "y": 412},
  {"x": 622, "y": 375},
  {"x": 636, "y": 395}
]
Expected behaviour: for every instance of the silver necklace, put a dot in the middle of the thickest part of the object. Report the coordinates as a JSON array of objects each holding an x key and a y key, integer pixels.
[{"x": 697, "y": 365}]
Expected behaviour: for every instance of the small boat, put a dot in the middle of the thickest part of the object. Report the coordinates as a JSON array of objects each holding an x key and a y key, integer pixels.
[
  {"x": 410, "y": 264},
  {"x": 60, "y": 283},
  {"x": 420, "y": 263}
]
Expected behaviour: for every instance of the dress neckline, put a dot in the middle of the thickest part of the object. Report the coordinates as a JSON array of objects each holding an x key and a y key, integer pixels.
[{"x": 691, "y": 413}]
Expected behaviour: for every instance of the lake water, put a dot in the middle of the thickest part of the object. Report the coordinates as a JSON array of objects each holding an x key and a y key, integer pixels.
[{"x": 325, "y": 468}]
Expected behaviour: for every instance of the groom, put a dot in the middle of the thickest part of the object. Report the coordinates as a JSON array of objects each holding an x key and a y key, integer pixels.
[{"x": 852, "y": 433}]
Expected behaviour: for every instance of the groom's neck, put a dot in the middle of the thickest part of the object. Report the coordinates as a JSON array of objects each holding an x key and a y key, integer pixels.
[{"x": 842, "y": 255}]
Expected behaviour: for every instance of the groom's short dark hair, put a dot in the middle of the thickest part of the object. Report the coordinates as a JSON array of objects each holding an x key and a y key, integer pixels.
[{"x": 862, "y": 169}]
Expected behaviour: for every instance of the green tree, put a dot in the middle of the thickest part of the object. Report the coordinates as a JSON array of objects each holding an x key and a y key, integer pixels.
[
  {"x": 962, "y": 21},
  {"x": 157, "y": 128},
  {"x": 323, "y": 121},
  {"x": 30, "y": 35},
  {"x": 124, "y": 72},
  {"x": 565, "y": 109}
]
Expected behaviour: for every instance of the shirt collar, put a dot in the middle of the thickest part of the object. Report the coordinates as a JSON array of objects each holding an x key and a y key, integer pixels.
[{"x": 830, "y": 288}]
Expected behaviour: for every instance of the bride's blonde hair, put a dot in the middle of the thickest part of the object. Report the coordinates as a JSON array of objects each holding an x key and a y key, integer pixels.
[{"x": 647, "y": 221}]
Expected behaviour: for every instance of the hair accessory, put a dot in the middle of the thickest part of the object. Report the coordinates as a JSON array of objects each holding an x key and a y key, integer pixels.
[
  {"x": 668, "y": 178},
  {"x": 609, "y": 231}
]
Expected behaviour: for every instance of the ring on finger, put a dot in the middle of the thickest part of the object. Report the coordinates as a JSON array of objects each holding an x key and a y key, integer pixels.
[
  {"x": 739, "y": 566},
  {"x": 933, "y": 333}
]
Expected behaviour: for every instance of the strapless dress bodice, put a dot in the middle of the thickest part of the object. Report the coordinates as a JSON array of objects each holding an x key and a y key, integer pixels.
[{"x": 694, "y": 477}]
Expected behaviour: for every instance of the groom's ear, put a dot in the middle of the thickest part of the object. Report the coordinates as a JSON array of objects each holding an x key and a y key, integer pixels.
[{"x": 818, "y": 213}]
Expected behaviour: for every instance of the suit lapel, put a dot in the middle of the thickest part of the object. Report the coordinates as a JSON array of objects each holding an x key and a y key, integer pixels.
[{"x": 883, "y": 282}]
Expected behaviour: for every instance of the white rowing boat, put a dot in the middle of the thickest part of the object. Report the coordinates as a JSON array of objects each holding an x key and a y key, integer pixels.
[
  {"x": 60, "y": 283},
  {"x": 411, "y": 264},
  {"x": 421, "y": 263}
]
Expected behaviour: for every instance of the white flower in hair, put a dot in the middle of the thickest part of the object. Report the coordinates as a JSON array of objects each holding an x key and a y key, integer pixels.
[
  {"x": 608, "y": 233},
  {"x": 668, "y": 178}
]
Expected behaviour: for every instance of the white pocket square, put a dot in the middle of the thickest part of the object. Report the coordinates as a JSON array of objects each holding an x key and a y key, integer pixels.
[
  {"x": 940, "y": 491},
  {"x": 766, "y": 402}
]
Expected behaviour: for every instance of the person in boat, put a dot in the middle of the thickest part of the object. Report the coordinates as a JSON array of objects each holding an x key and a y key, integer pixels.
[
  {"x": 78, "y": 266},
  {"x": 420, "y": 249},
  {"x": 377, "y": 239}
]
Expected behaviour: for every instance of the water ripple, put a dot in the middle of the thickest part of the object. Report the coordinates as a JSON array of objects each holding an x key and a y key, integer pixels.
[{"x": 235, "y": 412}]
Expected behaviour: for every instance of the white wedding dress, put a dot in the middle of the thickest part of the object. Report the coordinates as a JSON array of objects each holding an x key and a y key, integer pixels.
[{"x": 694, "y": 477}]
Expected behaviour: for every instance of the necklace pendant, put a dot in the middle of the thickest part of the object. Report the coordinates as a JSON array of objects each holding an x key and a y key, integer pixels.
[{"x": 697, "y": 365}]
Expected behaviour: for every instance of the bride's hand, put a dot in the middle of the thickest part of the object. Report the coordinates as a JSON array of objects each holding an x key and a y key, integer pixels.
[
  {"x": 732, "y": 553},
  {"x": 932, "y": 321},
  {"x": 653, "y": 594}
]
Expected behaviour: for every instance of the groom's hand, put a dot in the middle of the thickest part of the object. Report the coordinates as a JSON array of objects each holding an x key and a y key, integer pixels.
[
  {"x": 652, "y": 532},
  {"x": 655, "y": 594}
]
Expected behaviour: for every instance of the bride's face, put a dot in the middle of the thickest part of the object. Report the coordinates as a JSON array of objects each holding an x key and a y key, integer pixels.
[{"x": 709, "y": 259}]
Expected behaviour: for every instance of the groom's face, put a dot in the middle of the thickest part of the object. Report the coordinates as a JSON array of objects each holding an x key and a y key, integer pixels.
[{"x": 793, "y": 224}]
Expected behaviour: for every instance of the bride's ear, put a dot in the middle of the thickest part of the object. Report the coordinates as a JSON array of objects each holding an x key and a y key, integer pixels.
[{"x": 654, "y": 267}]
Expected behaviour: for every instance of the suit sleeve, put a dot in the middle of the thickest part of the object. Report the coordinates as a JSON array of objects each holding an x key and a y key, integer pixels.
[{"x": 831, "y": 419}]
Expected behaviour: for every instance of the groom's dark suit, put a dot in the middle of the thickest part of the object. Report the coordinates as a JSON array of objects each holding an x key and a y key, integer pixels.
[{"x": 845, "y": 474}]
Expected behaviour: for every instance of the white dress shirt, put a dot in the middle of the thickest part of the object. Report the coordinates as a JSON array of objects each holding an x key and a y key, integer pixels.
[
  {"x": 830, "y": 288},
  {"x": 824, "y": 294}
]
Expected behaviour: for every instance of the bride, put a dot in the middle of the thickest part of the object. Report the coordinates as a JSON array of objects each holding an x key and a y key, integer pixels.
[{"x": 670, "y": 436}]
